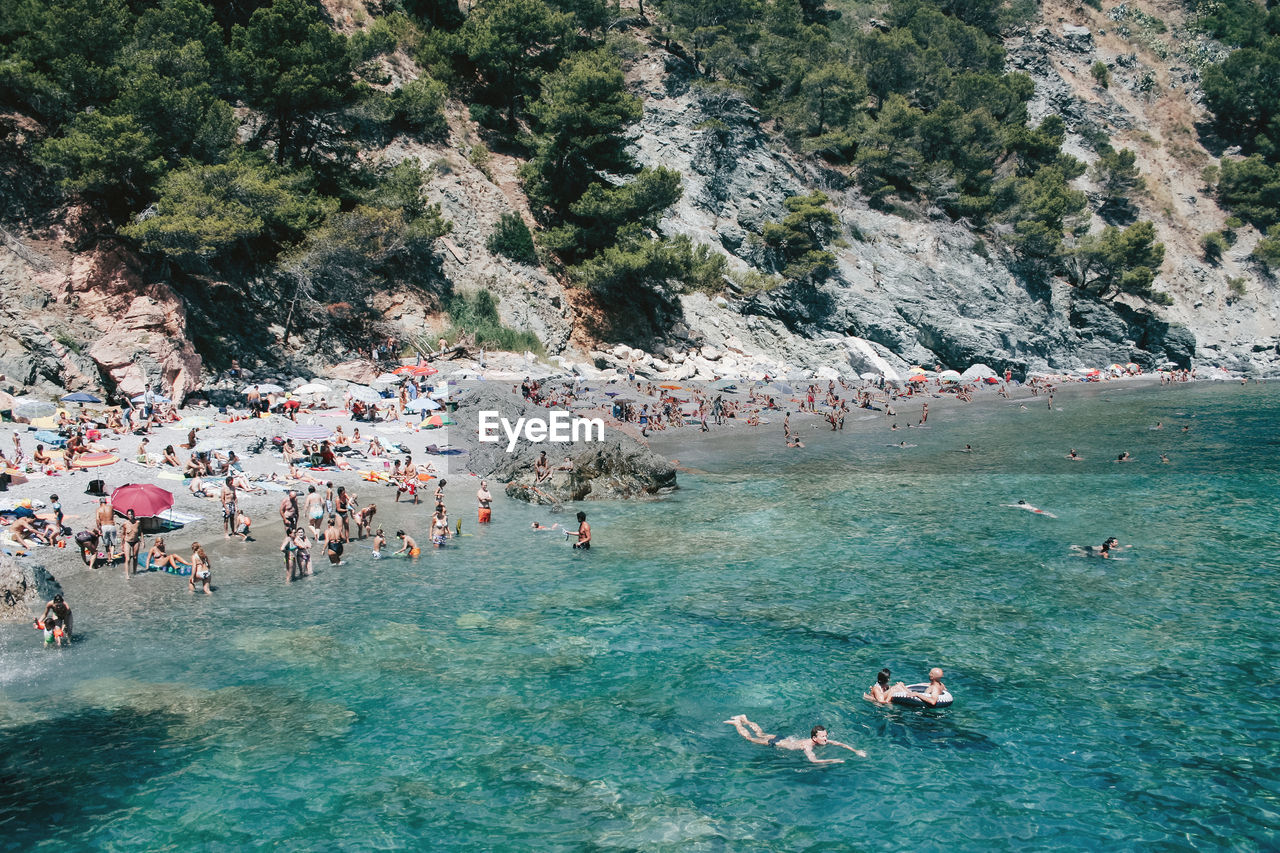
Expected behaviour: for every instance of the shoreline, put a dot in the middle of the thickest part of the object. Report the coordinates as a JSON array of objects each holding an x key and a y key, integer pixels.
[{"x": 263, "y": 508}]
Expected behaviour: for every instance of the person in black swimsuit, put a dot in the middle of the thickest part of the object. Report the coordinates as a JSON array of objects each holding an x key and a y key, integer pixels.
[{"x": 817, "y": 737}]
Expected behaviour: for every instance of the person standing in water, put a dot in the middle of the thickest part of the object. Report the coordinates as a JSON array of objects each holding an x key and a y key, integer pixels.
[
  {"x": 583, "y": 533},
  {"x": 817, "y": 737},
  {"x": 485, "y": 500}
]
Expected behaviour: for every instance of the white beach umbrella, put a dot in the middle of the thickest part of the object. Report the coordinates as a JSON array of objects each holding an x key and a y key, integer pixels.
[
  {"x": 977, "y": 371},
  {"x": 422, "y": 404},
  {"x": 949, "y": 376},
  {"x": 209, "y": 445},
  {"x": 263, "y": 388},
  {"x": 312, "y": 388},
  {"x": 364, "y": 394}
]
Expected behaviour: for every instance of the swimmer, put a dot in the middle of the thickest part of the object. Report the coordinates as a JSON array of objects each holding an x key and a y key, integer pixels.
[
  {"x": 1164, "y": 459},
  {"x": 537, "y": 526},
  {"x": 881, "y": 692},
  {"x": 817, "y": 737},
  {"x": 935, "y": 689},
  {"x": 379, "y": 542},
  {"x": 1074, "y": 456},
  {"x": 1024, "y": 505},
  {"x": 1159, "y": 425},
  {"x": 1104, "y": 551},
  {"x": 1124, "y": 457}
]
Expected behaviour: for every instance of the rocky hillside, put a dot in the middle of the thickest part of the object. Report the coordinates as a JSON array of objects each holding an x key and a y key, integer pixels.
[{"x": 914, "y": 285}]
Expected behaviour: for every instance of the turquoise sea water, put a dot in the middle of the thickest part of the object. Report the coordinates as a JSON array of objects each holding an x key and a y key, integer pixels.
[{"x": 511, "y": 694}]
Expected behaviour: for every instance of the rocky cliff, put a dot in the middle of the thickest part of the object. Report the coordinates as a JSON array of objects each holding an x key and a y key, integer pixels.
[{"x": 910, "y": 288}]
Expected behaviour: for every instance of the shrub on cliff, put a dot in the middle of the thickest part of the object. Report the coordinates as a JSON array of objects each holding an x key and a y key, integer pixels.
[{"x": 511, "y": 238}]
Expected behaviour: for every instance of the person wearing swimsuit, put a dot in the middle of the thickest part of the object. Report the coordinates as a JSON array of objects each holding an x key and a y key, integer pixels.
[
  {"x": 817, "y": 737},
  {"x": 200, "y": 569}
]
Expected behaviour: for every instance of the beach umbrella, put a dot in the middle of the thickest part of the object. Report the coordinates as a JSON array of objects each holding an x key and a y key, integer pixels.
[
  {"x": 312, "y": 388},
  {"x": 209, "y": 445},
  {"x": 977, "y": 371},
  {"x": 991, "y": 380},
  {"x": 82, "y": 397},
  {"x": 949, "y": 376},
  {"x": 387, "y": 379},
  {"x": 30, "y": 408},
  {"x": 364, "y": 394},
  {"x": 310, "y": 432},
  {"x": 263, "y": 388},
  {"x": 671, "y": 387},
  {"x": 422, "y": 404},
  {"x": 917, "y": 377},
  {"x": 436, "y": 421},
  {"x": 144, "y": 499},
  {"x": 95, "y": 460},
  {"x": 159, "y": 398}
]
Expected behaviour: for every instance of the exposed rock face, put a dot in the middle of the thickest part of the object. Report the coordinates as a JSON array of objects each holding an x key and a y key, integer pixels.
[
  {"x": 617, "y": 467},
  {"x": 24, "y": 589},
  {"x": 143, "y": 324},
  {"x": 473, "y": 199},
  {"x": 91, "y": 320},
  {"x": 906, "y": 291}
]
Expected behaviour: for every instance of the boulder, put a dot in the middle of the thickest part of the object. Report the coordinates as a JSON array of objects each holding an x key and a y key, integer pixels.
[{"x": 24, "y": 589}]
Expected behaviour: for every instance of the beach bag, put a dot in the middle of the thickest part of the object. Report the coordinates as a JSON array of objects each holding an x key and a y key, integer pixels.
[{"x": 98, "y": 488}]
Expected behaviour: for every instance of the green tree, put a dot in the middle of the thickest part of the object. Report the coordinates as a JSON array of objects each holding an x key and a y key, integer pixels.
[
  {"x": 293, "y": 67},
  {"x": 1120, "y": 261},
  {"x": 594, "y": 220},
  {"x": 631, "y": 269},
  {"x": 889, "y": 151},
  {"x": 796, "y": 244},
  {"x": 110, "y": 158},
  {"x": 1251, "y": 189},
  {"x": 1038, "y": 208},
  {"x": 418, "y": 108},
  {"x": 1101, "y": 75},
  {"x": 1244, "y": 94},
  {"x": 1117, "y": 176},
  {"x": 244, "y": 207},
  {"x": 580, "y": 119},
  {"x": 58, "y": 58},
  {"x": 512, "y": 43}
]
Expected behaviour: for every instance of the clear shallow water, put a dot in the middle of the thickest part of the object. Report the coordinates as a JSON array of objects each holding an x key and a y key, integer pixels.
[{"x": 509, "y": 693}]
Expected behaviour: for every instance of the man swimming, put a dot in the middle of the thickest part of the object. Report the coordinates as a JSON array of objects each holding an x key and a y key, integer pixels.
[
  {"x": 817, "y": 737},
  {"x": 1021, "y": 504}
]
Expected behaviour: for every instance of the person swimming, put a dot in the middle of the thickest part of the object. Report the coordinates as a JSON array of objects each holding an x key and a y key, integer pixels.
[
  {"x": 817, "y": 737},
  {"x": 1103, "y": 551},
  {"x": 881, "y": 692},
  {"x": 1021, "y": 504}
]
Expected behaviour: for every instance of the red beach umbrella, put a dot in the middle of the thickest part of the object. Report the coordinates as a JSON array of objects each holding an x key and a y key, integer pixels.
[{"x": 144, "y": 499}]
